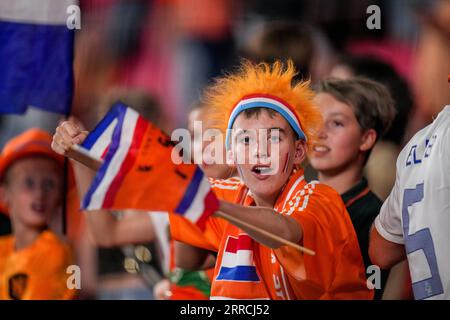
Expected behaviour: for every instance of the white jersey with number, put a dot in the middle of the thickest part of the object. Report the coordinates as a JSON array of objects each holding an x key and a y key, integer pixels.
[{"x": 417, "y": 212}]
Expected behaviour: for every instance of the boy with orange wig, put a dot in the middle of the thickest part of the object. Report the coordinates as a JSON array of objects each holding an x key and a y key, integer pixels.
[{"x": 272, "y": 194}]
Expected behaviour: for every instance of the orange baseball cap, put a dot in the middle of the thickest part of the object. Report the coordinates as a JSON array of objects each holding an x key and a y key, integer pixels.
[{"x": 30, "y": 143}]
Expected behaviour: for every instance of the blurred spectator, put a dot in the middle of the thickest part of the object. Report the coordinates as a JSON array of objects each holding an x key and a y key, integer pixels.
[
  {"x": 432, "y": 68},
  {"x": 379, "y": 170},
  {"x": 33, "y": 260},
  {"x": 124, "y": 44},
  {"x": 356, "y": 113},
  {"x": 300, "y": 42},
  {"x": 204, "y": 47},
  {"x": 373, "y": 68},
  {"x": 285, "y": 40},
  {"x": 212, "y": 170}
]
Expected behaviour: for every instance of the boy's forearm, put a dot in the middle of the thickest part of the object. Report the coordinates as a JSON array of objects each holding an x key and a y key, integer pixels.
[
  {"x": 266, "y": 219},
  {"x": 191, "y": 258}
]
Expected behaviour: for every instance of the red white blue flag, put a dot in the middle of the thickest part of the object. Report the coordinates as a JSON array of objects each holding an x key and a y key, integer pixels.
[
  {"x": 138, "y": 171},
  {"x": 36, "y": 56},
  {"x": 237, "y": 260}
]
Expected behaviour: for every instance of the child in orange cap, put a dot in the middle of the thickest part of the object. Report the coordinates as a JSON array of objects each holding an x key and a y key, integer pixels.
[{"x": 33, "y": 260}]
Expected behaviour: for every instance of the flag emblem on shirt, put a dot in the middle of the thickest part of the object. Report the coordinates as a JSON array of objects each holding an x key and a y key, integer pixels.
[{"x": 237, "y": 261}]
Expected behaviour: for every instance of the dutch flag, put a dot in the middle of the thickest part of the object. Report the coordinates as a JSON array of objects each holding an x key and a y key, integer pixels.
[
  {"x": 116, "y": 140},
  {"x": 36, "y": 54},
  {"x": 96, "y": 144},
  {"x": 111, "y": 140},
  {"x": 237, "y": 261}
]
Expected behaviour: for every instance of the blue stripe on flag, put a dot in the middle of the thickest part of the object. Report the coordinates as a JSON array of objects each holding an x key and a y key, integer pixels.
[
  {"x": 93, "y": 136},
  {"x": 119, "y": 110},
  {"x": 36, "y": 67},
  {"x": 191, "y": 192},
  {"x": 238, "y": 273}
]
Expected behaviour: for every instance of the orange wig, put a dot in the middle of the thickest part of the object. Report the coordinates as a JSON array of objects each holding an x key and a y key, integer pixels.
[{"x": 263, "y": 79}]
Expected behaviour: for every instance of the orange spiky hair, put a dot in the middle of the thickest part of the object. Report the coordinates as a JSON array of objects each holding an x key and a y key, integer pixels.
[{"x": 264, "y": 80}]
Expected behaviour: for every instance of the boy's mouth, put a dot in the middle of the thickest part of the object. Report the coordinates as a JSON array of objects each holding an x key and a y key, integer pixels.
[
  {"x": 38, "y": 207},
  {"x": 321, "y": 148},
  {"x": 262, "y": 172}
]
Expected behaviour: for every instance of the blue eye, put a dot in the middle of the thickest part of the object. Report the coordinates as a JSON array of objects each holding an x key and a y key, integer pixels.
[{"x": 275, "y": 139}]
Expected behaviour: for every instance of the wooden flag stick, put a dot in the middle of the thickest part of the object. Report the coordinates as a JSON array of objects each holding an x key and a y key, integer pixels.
[
  {"x": 268, "y": 234},
  {"x": 78, "y": 154}
]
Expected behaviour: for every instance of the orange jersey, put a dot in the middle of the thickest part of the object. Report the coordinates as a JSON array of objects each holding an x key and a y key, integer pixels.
[
  {"x": 246, "y": 269},
  {"x": 36, "y": 272}
]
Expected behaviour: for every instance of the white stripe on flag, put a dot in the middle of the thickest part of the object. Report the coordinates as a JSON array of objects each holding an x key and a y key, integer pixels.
[
  {"x": 195, "y": 210},
  {"x": 35, "y": 11},
  {"x": 269, "y": 100},
  {"x": 126, "y": 138},
  {"x": 240, "y": 258},
  {"x": 103, "y": 141}
]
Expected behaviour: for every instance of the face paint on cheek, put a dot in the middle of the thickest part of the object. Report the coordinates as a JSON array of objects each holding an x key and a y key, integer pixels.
[{"x": 287, "y": 161}]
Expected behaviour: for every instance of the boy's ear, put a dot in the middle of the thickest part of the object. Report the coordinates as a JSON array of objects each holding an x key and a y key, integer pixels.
[
  {"x": 300, "y": 151},
  {"x": 368, "y": 140}
]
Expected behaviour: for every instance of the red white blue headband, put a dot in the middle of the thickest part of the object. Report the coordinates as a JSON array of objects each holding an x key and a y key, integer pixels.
[{"x": 265, "y": 101}]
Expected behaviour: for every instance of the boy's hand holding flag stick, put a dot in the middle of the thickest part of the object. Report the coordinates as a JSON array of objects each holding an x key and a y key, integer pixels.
[{"x": 135, "y": 171}]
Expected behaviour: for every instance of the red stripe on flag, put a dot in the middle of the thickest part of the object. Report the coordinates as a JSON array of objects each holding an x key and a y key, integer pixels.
[
  {"x": 105, "y": 152},
  {"x": 243, "y": 243},
  {"x": 127, "y": 164},
  {"x": 231, "y": 245},
  {"x": 211, "y": 205}
]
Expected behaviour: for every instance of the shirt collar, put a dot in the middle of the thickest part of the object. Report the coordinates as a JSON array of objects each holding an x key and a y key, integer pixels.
[{"x": 355, "y": 191}]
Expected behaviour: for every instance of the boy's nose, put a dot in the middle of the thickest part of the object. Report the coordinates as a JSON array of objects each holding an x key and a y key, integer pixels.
[
  {"x": 261, "y": 150},
  {"x": 41, "y": 191},
  {"x": 322, "y": 134}
]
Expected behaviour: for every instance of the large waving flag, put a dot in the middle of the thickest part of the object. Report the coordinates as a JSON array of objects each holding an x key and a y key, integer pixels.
[
  {"x": 36, "y": 54},
  {"x": 138, "y": 171}
]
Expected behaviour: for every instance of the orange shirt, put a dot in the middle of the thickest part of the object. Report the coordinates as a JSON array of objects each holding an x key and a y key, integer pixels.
[
  {"x": 36, "y": 272},
  {"x": 246, "y": 269}
]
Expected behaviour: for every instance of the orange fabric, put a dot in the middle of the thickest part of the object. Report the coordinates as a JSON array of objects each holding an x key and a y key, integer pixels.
[
  {"x": 37, "y": 272},
  {"x": 335, "y": 272},
  {"x": 31, "y": 142}
]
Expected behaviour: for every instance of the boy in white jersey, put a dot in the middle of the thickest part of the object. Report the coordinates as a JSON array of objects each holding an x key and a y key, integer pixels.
[{"x": 414, "y": 222}]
